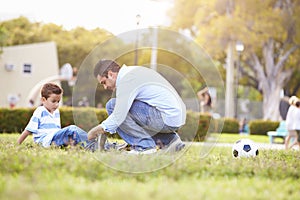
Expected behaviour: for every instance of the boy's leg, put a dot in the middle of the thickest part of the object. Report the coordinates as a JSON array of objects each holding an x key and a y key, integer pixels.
[{"x": 69, "y": 134}]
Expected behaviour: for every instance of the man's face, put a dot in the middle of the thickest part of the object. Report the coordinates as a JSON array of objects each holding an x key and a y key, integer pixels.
[{"x": 108, "y": 82}]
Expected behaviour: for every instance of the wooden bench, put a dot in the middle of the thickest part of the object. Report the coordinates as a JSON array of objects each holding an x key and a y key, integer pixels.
[{"x": 281, "y": 132}]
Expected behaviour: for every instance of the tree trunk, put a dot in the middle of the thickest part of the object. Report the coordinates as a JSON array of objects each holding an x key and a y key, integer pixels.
[
  {"x": 271, "y": 78},
  {"x": 271, "y": 104}
]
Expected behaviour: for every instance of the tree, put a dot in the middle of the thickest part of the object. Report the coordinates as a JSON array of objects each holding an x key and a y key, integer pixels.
[
  {"x": 268, "y": 28},
  {"x": 3, "y": 36},
  {"x": 73, "y": 46}
]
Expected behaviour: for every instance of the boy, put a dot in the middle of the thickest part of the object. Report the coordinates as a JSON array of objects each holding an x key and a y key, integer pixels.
[{"x": 45, "y": 122}]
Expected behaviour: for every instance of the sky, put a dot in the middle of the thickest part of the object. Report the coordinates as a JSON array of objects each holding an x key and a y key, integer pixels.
[{"x": 115, "y": 16}]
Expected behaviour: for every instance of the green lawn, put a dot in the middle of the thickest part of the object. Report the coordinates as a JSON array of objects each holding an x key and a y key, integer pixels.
[
  {"x": 31, "y": 172},
  {"x": 231, "y": 138}
]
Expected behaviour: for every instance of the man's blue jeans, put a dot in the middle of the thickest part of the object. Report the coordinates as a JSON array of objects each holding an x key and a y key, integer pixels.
[{"x": 143, "y": 127}]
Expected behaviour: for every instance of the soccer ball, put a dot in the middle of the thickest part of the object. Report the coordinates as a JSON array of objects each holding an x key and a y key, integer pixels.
[{"x": 244, "y": 148}]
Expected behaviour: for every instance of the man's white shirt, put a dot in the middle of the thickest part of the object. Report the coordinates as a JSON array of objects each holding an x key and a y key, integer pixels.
[{"x": 146, "y": 85}]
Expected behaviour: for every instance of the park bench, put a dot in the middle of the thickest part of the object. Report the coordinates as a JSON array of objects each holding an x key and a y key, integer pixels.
[{"x": 281, "y": 132}]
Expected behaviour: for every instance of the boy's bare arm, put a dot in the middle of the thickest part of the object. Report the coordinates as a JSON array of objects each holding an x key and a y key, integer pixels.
[{"x": 23, "y": 136}]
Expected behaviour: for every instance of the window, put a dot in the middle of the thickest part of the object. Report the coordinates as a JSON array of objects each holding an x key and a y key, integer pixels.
[{"x": 27, "y": 69}]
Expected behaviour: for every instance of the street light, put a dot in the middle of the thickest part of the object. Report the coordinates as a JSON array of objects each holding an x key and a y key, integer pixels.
[
  {"x": 138, "y": 19},
  {"x": 154, "y": 49},
  {"x": 239, "y": 47}
]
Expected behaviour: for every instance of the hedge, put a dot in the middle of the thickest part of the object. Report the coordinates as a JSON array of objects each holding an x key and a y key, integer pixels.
[
  {"x": 231, "y": 125},
  {"x": 196, "y": 128},
  {"x": 198, "y": 125},
  {"x": 15, "y": 120},
  {"x": 261, "y": 127}
]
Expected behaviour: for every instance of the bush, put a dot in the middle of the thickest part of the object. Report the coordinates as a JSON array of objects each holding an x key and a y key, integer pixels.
[
  {"x": 84, "y": 117},
  {"x": 231, "y": 125},
  {"x": 189, "y": 130},
  {"x": 15, "y": 120},
  {"x": 261, "y": 127},
  {"x": 196, "y": 126},
  {"x": 199, "y": 125}
]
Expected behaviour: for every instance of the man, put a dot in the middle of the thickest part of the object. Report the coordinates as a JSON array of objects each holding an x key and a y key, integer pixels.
[{"x": 146, "y": 112}]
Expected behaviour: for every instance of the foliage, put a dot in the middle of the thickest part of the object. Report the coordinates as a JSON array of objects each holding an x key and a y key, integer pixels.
[
  {"x": 200, "y": 125},
  {"x": 261, "y": 127},
  {"x": 292, "y": 88},
  {"x": 77, "y": 46},
  {"x": 73, "y": 46},
  {"x": 71, "y": 115},
  {"x": 3, "y": 35},
  {"x": 231, "y": 125},
  {"x": 15, "y": 120},
  {"x": 196, "y": 127},
  {"x": 31, "y": 172},
  {"x": 268, "y": 29}
]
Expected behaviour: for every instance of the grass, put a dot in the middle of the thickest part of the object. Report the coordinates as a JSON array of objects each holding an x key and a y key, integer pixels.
[
  {"x": 231, "y": 138},
  {"x": 31, "y": 172}
]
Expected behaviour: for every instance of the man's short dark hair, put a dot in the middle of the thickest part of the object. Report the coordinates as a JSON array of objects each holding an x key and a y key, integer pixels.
[{"x": 103, "y": 66}]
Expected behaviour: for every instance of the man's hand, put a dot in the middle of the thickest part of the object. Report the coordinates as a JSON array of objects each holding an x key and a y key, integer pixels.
[{"x": 94, "y": 132}]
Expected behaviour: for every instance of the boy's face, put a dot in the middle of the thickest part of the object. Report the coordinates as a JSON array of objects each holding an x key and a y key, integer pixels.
[{"x": 52, "y": 103}]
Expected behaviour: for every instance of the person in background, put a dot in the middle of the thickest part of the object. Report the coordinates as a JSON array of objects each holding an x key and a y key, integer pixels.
[
  {"x": 243, "y": 125},
  {"x": 293, "y": 122},
  {"x": 205, "y": 100}
]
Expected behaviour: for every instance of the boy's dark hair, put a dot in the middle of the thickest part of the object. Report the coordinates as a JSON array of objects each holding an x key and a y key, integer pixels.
[
  {"x": 103, "y": 66},
  {"x": 50, "y": 88}
]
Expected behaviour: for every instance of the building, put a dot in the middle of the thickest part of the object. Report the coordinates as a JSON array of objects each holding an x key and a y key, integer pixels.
[{"x": 22, "y": 69}]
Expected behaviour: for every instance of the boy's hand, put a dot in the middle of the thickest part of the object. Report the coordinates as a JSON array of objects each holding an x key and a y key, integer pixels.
[{"x": 94, "y": 132}]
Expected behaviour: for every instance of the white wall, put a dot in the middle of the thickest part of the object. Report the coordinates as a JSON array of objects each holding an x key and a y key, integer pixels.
[{"x": 43, "y": 59}]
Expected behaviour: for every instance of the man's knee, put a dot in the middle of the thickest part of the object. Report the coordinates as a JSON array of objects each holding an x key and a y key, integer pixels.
[{"x": 72, "y": 128}]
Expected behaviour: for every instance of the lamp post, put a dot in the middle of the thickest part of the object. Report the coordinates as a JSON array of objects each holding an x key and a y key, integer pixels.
[
  {"x": 239, "y": 47},
  {"x": 154, "y": 49},
  {"x": 138, "y": 18}
]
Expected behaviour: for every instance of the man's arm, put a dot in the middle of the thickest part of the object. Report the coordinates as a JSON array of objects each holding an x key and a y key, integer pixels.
[
  {"x": 23, "y": 136},
  {"x": 94, "y": 132}
]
